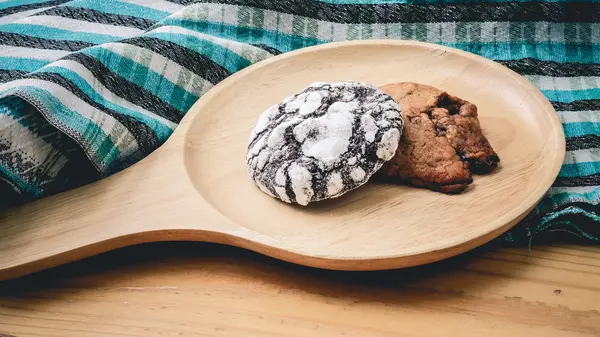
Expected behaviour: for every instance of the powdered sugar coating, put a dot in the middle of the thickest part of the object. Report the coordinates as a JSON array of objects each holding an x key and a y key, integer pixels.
[{"x": 324, "y": 141}]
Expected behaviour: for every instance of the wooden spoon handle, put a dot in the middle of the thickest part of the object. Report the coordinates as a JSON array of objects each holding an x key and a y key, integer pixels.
[{"x": 149, "y": 197}]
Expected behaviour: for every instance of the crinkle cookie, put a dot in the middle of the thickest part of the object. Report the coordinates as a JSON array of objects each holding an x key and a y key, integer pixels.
[{"x": 324, "y": 141}]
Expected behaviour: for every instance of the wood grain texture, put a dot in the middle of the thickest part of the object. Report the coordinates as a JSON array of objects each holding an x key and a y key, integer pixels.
[
  {"x": 207, "y": 290},
  {"x": 196, "y": 187}
]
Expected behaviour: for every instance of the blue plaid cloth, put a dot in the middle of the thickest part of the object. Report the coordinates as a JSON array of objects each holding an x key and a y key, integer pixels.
[{"x": 90, "y": 87}]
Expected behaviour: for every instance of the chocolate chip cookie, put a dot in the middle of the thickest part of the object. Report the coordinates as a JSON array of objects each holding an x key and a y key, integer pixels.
[{"x": 442, "y": 141}]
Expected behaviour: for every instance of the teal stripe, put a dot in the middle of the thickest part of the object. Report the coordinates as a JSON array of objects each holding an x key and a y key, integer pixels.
[
  {"x": 580, "y": 129},
  {"x": 567, "y": 197},
  {"x": 546, "y": 51},
  {"x": 579, "y": 169},
  {"x": 55, "y": 33},
  {"x": 371, "y": 2},
  {"x": 122, "y": 8},
  {"x": 11, "y": 106},
  {"x": 8, "y": 92},
  {"x": 21, "y": 63},
  {"x": 572, "y": 95},
  {"x": 219, "y": 54},
  {"x": 571, "y": 210},
  {"x": 281, "y": 41},
  {"x": 15, "y": 3},
  {"x": 21, "y": 184},
  {"x": 144, "y": 77},
  {"x": 162, "y": 131},
  {"x": 554, "y": 219},
  {"x": 86, "y": 131},
  {"x": 434, "y": 2}
]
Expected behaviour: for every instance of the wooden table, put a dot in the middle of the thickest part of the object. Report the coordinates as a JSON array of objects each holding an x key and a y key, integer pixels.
[{"x": 188, "y": 289}]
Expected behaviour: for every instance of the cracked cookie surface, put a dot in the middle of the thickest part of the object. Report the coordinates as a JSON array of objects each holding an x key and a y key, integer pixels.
[
  {"x": 442, "y": 141},
  {"x": 324, "y": 141}
]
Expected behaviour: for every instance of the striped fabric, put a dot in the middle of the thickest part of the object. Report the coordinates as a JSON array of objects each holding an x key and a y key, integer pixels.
[{"x": 90, "y": 87}]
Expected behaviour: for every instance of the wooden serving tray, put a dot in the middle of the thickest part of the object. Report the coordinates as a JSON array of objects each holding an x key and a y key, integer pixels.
[{"x": 196, "y": 187}]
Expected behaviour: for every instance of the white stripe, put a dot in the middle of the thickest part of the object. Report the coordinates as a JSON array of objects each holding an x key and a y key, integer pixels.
[
  {"x": 272, "y": 20},
  {"x": 164, "y": 6},
  {"x": 595, "y": 34},
  {"x": 378, "y": 29},
  {"x": 269, "y": 20},
  {"x": 448, "y": 32},
  {"x": 433, "y": 32},
  {"x": 286, "y": 23},
  {"x": 236, "y": 47},
  {"x": 163, "y": 66},
  {"x": 198, "y": 86},
  {"x": 120, "y": 136},
  {"x": 564, "y": 83},
  {"x": 20, "y": 139},
  {"x": 213, "y": 13},
  {"x": 68, "y": 99},
  {"x": 18, "y": 16},
  {"x": 340, "y": 32},
  {"x": 575, "y": 189},
  {"x": 87, "y": 75},
  {"x": 231, "y": 15},
  {"x": 225, "y": 14},
  {"x": 159, "y": 64},
  {"x": 541, "y": 31},
  {"x": 557, "y": 33},
  {"x": 490, "y": 31},
  {"x": 325, "y": 31},
  {"x": 80, "y": 26},
  {"x": 495, "y": 32},
  {"x": 582, "y": 156},
  {"x": 578, "y": 116},
  {"x": 32, "y": 53}
]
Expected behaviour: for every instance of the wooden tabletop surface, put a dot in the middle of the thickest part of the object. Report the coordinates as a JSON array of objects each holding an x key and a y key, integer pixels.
[{"x": 192, "y": 289}]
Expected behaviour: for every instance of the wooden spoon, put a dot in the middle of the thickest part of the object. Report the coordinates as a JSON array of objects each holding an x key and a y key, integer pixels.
[{"x": 195, "y": 187}]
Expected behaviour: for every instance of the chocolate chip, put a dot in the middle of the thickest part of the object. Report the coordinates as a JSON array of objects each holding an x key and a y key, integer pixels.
[{"x": 441, "y": 130}]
